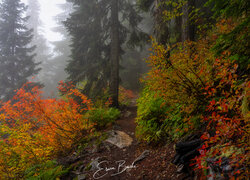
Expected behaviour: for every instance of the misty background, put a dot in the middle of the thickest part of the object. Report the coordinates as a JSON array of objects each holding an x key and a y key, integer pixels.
[{"x": 53, "y": 49}]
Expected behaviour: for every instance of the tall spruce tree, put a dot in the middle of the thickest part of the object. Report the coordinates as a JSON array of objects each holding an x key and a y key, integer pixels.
[
  {"x": 99, "y": 28},
  {"x": 43, "y": 52},
  {"x": 16, "y": 53},
  {"x": 34, "y": 21},
  {"x": 62, "y": 46}
]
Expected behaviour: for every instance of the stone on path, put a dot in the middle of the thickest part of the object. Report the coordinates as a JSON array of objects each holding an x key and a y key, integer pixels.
[
  {"x": 81, "y": 177},
  {"x": 127, "y": 114},
  {"x": 142, "y": 156},
  {"x": 119, "y": 139}
]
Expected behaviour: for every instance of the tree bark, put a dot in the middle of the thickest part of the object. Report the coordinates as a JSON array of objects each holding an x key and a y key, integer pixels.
[
  {"x": 178, "y": 29},
  {"x": 184, "y": 26},
  {"x": 191, "y": 5},
  {"x": 114, "y": 56},
  {"x": 188, "y": 28}
]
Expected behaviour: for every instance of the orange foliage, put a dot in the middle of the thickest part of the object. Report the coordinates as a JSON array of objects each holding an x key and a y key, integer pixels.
[
  {"x": 227, "y": 130},
  {"x": 35, "y": 129},
  {"x": 180, "y": 76},
  {"x": 189, "y": 75},
  {"x": 125, "y": 95}
]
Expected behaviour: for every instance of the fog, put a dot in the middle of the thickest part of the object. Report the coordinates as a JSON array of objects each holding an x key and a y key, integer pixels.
[
  {"x": 48, "y": 10},
  {"x": 131, "y": 75},
  {"x": 54, "y": 51},
  {"x": 51, "y": 15},
  {"x": 52, "y": 33}
]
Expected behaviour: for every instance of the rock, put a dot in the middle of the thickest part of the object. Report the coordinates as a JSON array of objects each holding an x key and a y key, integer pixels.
[
  {"x": 81, "y": 177},
  {"x": 142, "y": 156},
  {"x": 127, "y": 114},
  {"x": 119, "y": 139},
  {"x": 106, "y": 145},
  {"x": 94, "y": 164}
]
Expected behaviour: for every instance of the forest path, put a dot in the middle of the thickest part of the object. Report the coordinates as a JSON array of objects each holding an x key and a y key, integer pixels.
[{"x": 155, "y": 165}]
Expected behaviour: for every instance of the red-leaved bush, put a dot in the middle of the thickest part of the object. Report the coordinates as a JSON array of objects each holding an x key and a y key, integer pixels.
[{"x": 34, "y": 129}]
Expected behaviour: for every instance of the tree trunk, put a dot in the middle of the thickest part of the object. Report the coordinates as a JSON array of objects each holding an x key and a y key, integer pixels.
[
  {"x": 188, "y": 28},
  {"x": 178, "y": 29},
  {"x": 184, "y": 26},
  {"x": 191, "y": 5},
  {"x": 114, "y": 56}
]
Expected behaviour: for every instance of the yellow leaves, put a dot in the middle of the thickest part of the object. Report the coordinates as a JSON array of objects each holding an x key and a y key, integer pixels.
[
  {"x": 172, "y": 9},
  {"x": 2, "y": 117},
  {"x": 39, "y": 128},
  {"x": 180, "y": 76},
  {"x": 225, "y": 26}
]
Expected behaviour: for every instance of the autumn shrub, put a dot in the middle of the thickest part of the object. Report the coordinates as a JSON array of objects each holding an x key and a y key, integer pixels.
[
  {"x": 206, "y": 94},
  {"x": 178, "y": 75},
  {"x": 103, "y": 116},
  {"x": 125, "y": 96},
  {"x": 156, "y": 119},
  {"x": 34, "y": 130},
  {"x": 227, "y": 128}
]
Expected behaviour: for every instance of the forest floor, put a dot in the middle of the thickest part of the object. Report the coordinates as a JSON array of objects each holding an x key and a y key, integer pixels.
[{"x": 155, "y": 165}]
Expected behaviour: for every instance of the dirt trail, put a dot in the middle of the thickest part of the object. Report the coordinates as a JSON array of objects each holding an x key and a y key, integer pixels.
[{"x": 157, "y": 165}]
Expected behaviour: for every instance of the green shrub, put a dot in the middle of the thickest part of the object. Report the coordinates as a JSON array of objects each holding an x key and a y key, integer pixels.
[
  {"x": 157, "y": 120},
  {"x": 151, "y": 113},
  {"x": 103, "y": 116},
  {"x": 49, "y": 170}
]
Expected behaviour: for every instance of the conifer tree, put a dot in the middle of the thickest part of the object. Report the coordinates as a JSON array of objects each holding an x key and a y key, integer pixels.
[
  {"x": 42, "y": 51},
  {"x": 98, "y": 30},
  {"x": 16, "y": 53},
  {"x": 62, "y": 46}
]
